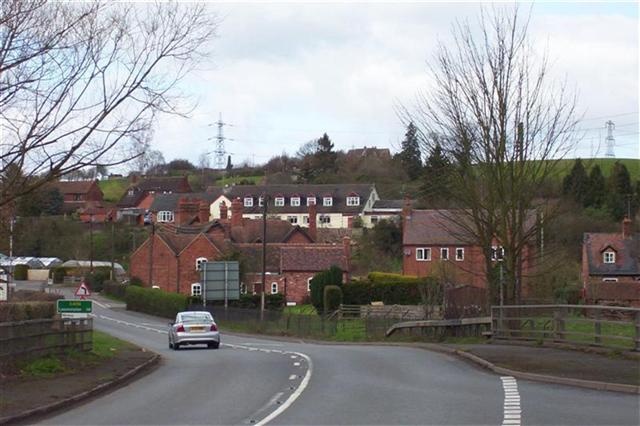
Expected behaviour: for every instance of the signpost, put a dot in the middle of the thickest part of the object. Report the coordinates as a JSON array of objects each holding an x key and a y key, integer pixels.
[
  {"x": 221, "y": 281},
  {"x": 74, "y": 308},
  {"x": 82, "y": 291}
]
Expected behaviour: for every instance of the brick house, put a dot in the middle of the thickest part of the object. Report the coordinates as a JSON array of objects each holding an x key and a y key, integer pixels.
[
  {"x": 611, "y": 267},
  {"x": 137, "y": 200},
  {"x": 434, "y": 243},
  {"x": 171, "y": 256},
  {"x": 84, "y": 197}
]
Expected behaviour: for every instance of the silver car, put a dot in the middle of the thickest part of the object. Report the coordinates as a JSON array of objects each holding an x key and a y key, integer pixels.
[{"x": 192, "y": 328}]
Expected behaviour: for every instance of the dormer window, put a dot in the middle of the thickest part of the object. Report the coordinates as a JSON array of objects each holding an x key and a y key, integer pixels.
[
  {"x": 248, "y": 201},
  {"x": 311, "y": 200},
  {"x": 130, "y": 192},
  {"x": 327, "y": 201},
  {"x": 353, "y": 200},
  {"x": 295, "y": 201},
  {"x": 279, "y": 201},
  {"x": 609, "y": 257}
]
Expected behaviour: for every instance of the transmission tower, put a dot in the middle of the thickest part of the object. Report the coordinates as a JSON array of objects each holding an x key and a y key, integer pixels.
[
  {"x": 610, "y": 141},
  {"x": 220, "y": 152}
]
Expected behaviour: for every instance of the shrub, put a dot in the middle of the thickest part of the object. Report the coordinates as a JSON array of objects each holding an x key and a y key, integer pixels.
[
  {"x": 391, "y": 289},
  {"x": 20, "y": 272},
  {"x": 58, "y": 273},
  {"x": 332, "y": 298},
  {"x": 22, "y": 311},
  {"x": 385, "y": 277},
  {"x": 567, "y": 294},
  {"x": 96, "y": 279},
  {"x": 34, "y": 296},
  {"x": 332, "y": 276},
  {"x": 114, "y": 289},
  {"x": 155, "y": 301},
  {"x": 136, "y": 281}
]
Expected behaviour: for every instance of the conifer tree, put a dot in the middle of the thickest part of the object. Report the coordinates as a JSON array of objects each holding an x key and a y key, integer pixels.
[
  {"x": 596, "y": 188},
  {"x": 410, "y": 154},
  {"x": 575, "y": 183}
]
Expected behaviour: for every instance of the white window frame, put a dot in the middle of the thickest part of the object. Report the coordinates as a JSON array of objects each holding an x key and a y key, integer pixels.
[
  {"x": 196, "y": 290},
  {"x": 353, "y": 200},
  {"x": 495, "y": 250},
  {"x": 274, "y": 288},
  {"x": 460, "y": 252},
  {"x": 423, "y": 254},
  {"x": 260, "y": 201},
  {"x": 248, "y": 201},
  {"x": 305, "y": 219},
  {"x": 609, "y": 257},
  {"x": 293, "y": 220},
  {"x": 324, "y": 219},
  {"x": 278, "y": 202},
  {"x": 311, "y": 201},
  {"x": 309, "y": 284},
  {"x": 199, "y": 262},
  {"x": 327, "y": 201},
  {"x": 609, "y": 280},
  {"x": 243, "y": 288},
  {"x": 444, "y": 250},
  {"x": 165, "y": 216},
  {"x": 295, "y": 201}
]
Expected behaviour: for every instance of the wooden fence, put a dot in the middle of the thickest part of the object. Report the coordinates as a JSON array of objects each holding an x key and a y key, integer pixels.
[
  {"x": 592, "y": 325},
  {"x": 20, "y": 340}
]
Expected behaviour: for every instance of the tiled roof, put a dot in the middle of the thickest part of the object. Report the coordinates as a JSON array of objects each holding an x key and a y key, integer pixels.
[
  {"x": 627, "y": 253},
  {"x": 252, "y": 257},
  {"x": 173, "y": 184},
  {"x": 312, "y": 258},
  {"x": 73, "y": 187},
  {"x": 388, "y": 204},
  {"x": 169, "y": 202}
]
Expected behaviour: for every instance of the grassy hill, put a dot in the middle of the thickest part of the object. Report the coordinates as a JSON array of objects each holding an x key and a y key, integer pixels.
[
  {"x": 113, "y": 189},
  {"x": 606, "y": 164}
]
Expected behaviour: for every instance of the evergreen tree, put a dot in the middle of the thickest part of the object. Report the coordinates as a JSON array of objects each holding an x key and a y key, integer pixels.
[
  {"x": 575, "y": 183},
  {"x": 435, "y": 177},
  {"x": 325, "y": 156},
  {"x": 410, "y": 154},
  {"x": 596, "y": 189},
  {"x": 620, "y": 192},
  {"x": 229, "y": 165}
]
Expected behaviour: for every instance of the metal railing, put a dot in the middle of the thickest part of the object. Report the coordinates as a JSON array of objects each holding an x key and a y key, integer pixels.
[
  {"x": 20, "y": 340},
  {"x": 592, "y": 325}
]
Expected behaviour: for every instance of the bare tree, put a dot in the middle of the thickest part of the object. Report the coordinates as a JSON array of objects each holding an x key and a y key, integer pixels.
[
  {"x": 81, "y": 83},
  {"x": 494, "y": 111}
]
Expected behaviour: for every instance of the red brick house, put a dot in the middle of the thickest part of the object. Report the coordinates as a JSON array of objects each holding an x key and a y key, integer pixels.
[
  {"x": 170, "y": 258},
  {"x": 137, "y": 200},
  {"x": 434, "y": 243},
  {"x": 611, "y": 267},
  {"x": 84, "y": 197}
]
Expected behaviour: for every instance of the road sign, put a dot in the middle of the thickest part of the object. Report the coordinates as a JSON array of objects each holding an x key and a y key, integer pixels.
[
  {"x": 74, "y": 306},
  {"x": 221, "y": 280},
  {"x": 83, "y": 291}
]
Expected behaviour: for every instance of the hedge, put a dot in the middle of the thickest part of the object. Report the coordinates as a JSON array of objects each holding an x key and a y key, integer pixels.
[
  {"x": 332, "y": 298},
  {"x": 20, "y": 272},
  {"x": 96, "y": 280},
  {"x": 155, "y": 301},
  {"x": 332, "y": 276},
  {"x": 114, "y": 289},
  {"x": 401, "y": 292},
  {"x": 22, "y": 311},
  {"x": 249, "y": 301},
  {"x": 386, "y": 277}
]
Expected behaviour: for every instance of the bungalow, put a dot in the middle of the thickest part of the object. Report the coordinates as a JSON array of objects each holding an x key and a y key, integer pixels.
[{"x": 611, "y": 267}]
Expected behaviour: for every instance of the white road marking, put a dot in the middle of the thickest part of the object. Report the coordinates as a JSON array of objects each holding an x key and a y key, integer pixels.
[
  {"x": 297, "y": 364},
  {"x": 512, "y": 413},
  {"x": 292, "y": 377}
]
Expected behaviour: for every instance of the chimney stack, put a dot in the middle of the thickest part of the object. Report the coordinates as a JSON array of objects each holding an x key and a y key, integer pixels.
[
  {"x": 203, "y": 212},
  {"x": 406, "y": 212},
  {"x": 224, "y": 211},
  {"x": 626, "y": 227},
  {"x": 313, "y": 224},
  {"x": 236, "y": 212},
  {"x": 346, "y": 247}
]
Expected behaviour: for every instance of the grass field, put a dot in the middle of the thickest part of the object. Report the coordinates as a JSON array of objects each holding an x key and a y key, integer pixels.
[
  {"x": 113, "y": 189},
  {"x": 606, "y": 164}
]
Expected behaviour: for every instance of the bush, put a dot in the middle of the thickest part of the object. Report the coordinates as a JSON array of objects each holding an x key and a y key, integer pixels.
[
  {"x": 22, "y": 311},
  {"x": 332, "y": 298},
  {"x": 34, "y": 296},
  {"x": 391, "y": 289},
  {"x": 58, "y": 273},
  {"x": 155, "y": 301},
  {"x": 332, "y": 276},
  {"x": 136, "y": 281},
  {"x": 20, "y": 272},
  {"x": 567, "y": 295},
  {"x": 96, "y": 279},
  {"x": 114, "y": 289},
  {"x": 388, "y": 278}
]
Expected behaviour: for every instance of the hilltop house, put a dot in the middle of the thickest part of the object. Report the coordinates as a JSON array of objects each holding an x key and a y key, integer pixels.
[
  {"x": 611, "y": 267},
  {"x": 171, "y": 257},
  {"x": 136, "y": 201},
  {"x": 82, "y": 196}
]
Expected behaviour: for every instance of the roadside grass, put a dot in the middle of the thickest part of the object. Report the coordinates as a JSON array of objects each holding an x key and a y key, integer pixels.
[
  {"x": 105, "y": 347},
  {"x": 300, "y": 310},
  {"x": 111, "y": 297}
]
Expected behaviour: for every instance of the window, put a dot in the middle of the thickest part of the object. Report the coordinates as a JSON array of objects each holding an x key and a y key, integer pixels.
[
  {"x": 305, "y": 220},
  {"x": 327, "y": 201},
  {"x": 196, "y": 289},
  {"x": 311, "y": 201},
  {"x": 309, "y": 284},
  {"x": 609, "y": 257},
  {"x": 497, "y": 253},
  {"x": 423, "y": 254},
  {"x": 243, "y": 288},
  {"x": 444, "y": 254},
  {"x": 165, "y": 216},
  {"x": 248, "y": 201},
  {"x": 130, "y": 192},
  {"x": 325, "y": 219},
  {"x": 295, "y": 201},
  {"x": 274, "y": 288},
  {"x": 292, "y": 219},
  {"x": 459, "y": 254},
  {"x": 279, "y": 202},
  {"x": 200, "y": 262},
  {"x": 610, "y": 280},
  {"x": 261, "y": 201},
  {"x": 353, "y": 200}
]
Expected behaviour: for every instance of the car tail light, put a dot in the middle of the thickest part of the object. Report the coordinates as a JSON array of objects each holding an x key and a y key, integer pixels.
[
  {"x": 213, "y": 327},
  {"x": 180, "y": 329}
]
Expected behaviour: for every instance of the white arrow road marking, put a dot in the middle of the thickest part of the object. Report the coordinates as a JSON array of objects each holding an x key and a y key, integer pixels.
[{"x": 512, "y": 413}]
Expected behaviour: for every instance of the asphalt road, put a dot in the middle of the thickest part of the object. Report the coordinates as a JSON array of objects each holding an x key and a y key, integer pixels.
[{"x": 258, "y": 381}]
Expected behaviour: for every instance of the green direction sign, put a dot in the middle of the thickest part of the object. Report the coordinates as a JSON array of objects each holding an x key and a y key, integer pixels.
[{"x": 74, "y": 306}]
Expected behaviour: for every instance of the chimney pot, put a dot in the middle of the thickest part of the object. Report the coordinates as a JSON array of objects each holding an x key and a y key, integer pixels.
[{"x": 626, "y": 227}]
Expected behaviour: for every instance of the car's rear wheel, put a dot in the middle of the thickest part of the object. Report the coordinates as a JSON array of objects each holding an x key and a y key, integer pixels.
[
  {"x": 213, "y": 345},
  {"x": 176, "y": 346},
  {"x": 170, "y": 345}
]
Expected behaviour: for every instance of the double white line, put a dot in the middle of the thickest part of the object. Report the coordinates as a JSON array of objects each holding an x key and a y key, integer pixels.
[{"x": 512, "y": 410}]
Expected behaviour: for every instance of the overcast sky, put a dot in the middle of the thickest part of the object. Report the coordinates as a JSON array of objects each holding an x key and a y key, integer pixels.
[{"x": 285, "y": 73}]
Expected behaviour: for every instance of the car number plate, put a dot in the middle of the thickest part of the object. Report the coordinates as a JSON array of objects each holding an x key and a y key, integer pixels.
[{"x": 197, "y": 329}]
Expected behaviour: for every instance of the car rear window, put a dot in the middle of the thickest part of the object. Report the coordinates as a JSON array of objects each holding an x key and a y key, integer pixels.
[{"x": 196, "y": 317}]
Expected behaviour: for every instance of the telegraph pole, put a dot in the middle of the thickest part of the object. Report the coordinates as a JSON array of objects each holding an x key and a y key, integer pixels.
[{"x": 264, "y": 252}]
